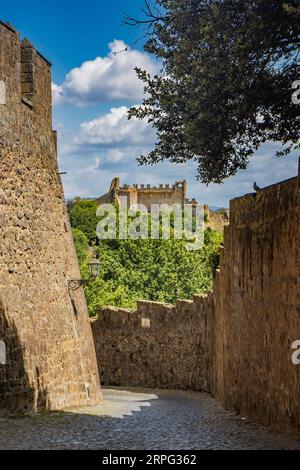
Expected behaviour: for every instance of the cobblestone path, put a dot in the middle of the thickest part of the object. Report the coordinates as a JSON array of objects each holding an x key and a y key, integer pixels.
[{"x": 145, "y": 420}]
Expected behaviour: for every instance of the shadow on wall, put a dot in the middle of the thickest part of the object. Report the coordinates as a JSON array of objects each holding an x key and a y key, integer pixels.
[
  {"x": 157, "y": 346},
  {"x": 17, "y": 394}
]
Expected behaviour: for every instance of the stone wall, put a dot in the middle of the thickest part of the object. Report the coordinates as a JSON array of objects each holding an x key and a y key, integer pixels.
[
  {"x": 235, "y": 343},
  {"x": 257, "y": 307},
  {"x": 158, "y": 345},
  {"x": 51, "y": 361},
  {"x": 164, "y": 194}
]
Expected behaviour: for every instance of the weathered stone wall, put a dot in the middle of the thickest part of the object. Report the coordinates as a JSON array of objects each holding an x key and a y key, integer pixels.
[
  {"x": 257, "y": 307},
  {"x": 236, "y": 343},
  {"x": 162, "y": 195},
  {"x": 158, "y": 345},
  {"x": 147, "y": 195},
  {"x": 51, "y": 361}
]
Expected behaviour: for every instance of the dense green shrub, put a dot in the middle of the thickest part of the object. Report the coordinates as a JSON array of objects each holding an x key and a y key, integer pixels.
[{"x": 131, "y": 270}]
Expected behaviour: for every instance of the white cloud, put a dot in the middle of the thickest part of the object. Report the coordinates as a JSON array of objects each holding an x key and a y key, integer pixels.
[
  {"x": 105, "y": 79},
  {"x": 114, "y": 156},
  {"x": 109, "y": 145},
  {"x": 104, "y": 148},
  {"x": 115, "y": 129}
]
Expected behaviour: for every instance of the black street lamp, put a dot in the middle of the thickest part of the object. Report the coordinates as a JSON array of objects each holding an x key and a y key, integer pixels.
[{"x": 94, "y": 270}]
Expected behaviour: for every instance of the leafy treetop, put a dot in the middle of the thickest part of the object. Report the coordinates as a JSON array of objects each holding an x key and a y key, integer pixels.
[{"x": 226, "y": 81}]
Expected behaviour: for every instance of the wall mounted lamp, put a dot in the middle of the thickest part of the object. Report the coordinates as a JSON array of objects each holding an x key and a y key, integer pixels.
[{"x": 94, "y": 270}]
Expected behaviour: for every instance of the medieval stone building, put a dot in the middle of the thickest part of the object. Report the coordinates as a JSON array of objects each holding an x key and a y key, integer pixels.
[
  {"x": 44, "y": 326},
  {"x": 148, "y": 195}
]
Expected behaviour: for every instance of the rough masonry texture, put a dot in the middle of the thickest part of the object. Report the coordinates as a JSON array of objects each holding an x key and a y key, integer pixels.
[
  {"x": 257, "y": 307},
  {"x": 157, "y": 346},
  {"x": 148, "y": 195},
  {"x": 50, "y": 358},
  {"x": 236, "y": 342}
]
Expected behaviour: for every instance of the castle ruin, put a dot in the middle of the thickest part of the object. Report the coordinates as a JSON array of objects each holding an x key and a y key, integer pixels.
[
  {"x": 148, "y": 195},
  {"x": 45, "y": 331},
  {"x": 164, "y": 194}
]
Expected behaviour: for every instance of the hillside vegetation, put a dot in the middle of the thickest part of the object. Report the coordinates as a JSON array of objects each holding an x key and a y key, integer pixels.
[{"x": 131, "y": 270}]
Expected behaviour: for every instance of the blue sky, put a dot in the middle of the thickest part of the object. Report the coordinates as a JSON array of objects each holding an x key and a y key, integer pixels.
[{"x": 92, "y": 89}]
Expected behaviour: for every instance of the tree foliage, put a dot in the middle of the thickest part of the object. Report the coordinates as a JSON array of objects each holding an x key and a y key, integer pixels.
[
  {"x": 81, "y": 244},
  {"x": 226, "y": 82},
  {"x": 83, "y": 217},
  {"x": 131, "y": 270}
]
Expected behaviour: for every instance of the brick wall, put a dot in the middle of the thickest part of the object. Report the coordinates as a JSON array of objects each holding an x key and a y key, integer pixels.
[
  {"x": 51, "y": 361},
  {"x": 235, "y": 343}
]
